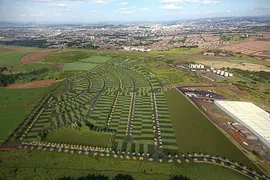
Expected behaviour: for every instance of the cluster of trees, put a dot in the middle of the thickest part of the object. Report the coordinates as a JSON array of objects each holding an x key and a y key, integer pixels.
[
  {"x": 100, "y": 177},
  {"x": 28, "y": 43},
  {"x": 119, "y": 176},
  {"x": 6, "y": 79},
  {"x": 3, "y": 69},
  {"x": 179, "y": 177}
]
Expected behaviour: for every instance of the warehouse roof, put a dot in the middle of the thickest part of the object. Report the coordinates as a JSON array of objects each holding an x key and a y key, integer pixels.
[{"x": 253, "y": 117}]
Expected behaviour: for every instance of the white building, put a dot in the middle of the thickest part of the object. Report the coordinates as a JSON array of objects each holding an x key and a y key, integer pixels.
[
  {"x": 196, "y": 66},
  {"x": 251, "y": 116}
]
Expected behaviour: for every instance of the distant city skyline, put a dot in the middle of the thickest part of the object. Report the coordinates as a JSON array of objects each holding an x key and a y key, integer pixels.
[{"x": 126, "y": 10}]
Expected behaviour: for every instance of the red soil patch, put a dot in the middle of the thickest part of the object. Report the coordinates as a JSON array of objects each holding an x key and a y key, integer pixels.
[
  {"x": 34, "y": 84},
  {"x": 60, "y": 66},
  {"x": 34, "y": 56}
]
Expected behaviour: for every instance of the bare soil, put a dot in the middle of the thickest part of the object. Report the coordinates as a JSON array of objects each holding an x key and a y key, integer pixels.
[
  {"x": 34, "y": 56},
  {"x": 34, "y": 84},
  {"x": 253, "y": 47}
]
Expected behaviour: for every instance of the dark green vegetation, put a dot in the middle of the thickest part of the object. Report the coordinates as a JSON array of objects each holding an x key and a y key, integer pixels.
[
  {"x": 255, "y": 83},
  {"x": 6, "y": 79},
  {"x": 195, "y": 133},
  {"x": 15, "y": 105},
  {"x": 27, "y": 43},
  {"x": 43, "y": 165},
  {"x": 257, "y": 76},
  {"x": 81, "y": 135}
]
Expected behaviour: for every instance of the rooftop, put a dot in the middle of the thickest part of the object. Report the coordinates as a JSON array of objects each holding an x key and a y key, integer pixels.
[{"x": 253, "y": 117}]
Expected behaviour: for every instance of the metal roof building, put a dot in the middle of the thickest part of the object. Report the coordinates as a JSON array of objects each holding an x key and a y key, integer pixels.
[{"x": 251, "y": 116}]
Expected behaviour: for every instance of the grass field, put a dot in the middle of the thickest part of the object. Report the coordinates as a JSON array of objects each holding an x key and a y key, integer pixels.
[
  {"x": 78, "y": 66},
  {"x": 179, "y": 51},
  {"x": 70, "y": 135},
  {"x": 11, "y": 58},
  {"x": 96, "y": 59},
  {"x": 51, "y": 165},
  {"x": 195, "y": 133},
  {"x": 15, "y": 105},
  {"x": 66, "y": 56}
]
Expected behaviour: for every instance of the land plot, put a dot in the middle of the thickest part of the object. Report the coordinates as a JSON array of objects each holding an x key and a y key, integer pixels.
[
  {"x": 96, "y": 59},
  {"x": 195, "y": 133},
  {"x": 35, "y": 56},
  {"x": 78, "y": 66},
  {"x": 11, "y": 58},
  {"x": 20, "y": 101},
  {"x": 73, "y": 136}
]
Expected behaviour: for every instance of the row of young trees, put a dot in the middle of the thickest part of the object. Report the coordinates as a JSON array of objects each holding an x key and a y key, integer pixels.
[{"x": 119, "y": 176}]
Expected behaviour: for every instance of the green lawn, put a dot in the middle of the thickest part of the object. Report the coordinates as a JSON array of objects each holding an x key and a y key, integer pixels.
[
  {"x": 96, "y": 59},
  {"x": 12, "y": 107},
  {"x": 78, "y": 66},
  {"x": 11, "y": 58},
  {"x": 25, "y": 164},
  {"x": 195, "y": 133},
  {"x": 70, "y": 135}
]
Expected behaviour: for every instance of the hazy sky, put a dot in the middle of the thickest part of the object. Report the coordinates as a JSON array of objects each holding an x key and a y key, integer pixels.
[{"x": 126, "y": 10}]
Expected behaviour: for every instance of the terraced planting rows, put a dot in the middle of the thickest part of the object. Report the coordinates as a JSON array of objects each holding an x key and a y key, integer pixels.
[{"x": 118, "y": 97}]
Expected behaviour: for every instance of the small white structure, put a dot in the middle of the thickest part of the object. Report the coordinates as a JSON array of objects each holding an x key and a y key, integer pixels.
[
  {"x": 251, "y": 116},
  {"x": 196, "y": 66},
  {"x": 222, "y": 73}
]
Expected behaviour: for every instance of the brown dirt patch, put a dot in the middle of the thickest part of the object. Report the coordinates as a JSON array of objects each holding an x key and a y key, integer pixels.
[
  {"x": 4, "y": 49},
  {"x": 34, "y": 56},
  {"x": 34, "y": 84}
]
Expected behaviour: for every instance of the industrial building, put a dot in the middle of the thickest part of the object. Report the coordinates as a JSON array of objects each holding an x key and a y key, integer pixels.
[{"x": 251, "y": 116}]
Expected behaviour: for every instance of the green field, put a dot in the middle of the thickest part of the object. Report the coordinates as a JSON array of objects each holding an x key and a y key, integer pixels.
[
  {"x": 15, "y": 105},
  {"x": 19, "y": 97},
  {"x": 178, "y": 51},
  {"x": 66, "y": 56},
  {"x": 74, "y": 136},
  {"x": 11, "y": 58},
  {"x": 52, "y": 165},
  {"x": 78, "y": 66},
  {"x": 96, "y": 59},
  {"x": 195, "y": 133}
]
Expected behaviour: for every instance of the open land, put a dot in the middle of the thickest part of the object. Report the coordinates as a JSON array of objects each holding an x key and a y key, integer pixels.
[
  {"x": 33, "y": 84},
  {"x": 80, "y": 137},
  {"x": 115, "y": 103},
  {"x": 254, "y": 48},
  {"x": 34, "y": 56}
]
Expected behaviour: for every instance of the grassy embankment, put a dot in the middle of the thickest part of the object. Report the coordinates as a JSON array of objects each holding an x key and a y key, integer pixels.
[{"x": 25, "y": 164}]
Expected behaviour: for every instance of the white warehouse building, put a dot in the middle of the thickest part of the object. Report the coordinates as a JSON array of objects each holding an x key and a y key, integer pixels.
[{"x": 251, "y": 116}]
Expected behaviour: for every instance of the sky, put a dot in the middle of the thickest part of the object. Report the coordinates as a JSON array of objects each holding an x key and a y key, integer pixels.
[{"x": 87, "y": 11}]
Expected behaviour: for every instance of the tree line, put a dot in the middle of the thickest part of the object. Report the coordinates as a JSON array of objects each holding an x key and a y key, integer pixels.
[
  {"x": 119, "y": 176},
  {"x": 6, "y": 79}
]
